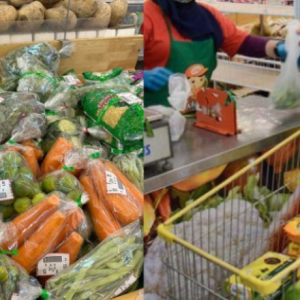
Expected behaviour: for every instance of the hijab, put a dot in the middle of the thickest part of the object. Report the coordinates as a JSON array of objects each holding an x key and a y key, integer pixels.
[{"x": 192, "y": 20}]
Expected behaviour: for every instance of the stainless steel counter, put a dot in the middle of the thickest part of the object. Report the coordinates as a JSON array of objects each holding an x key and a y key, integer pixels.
[{"x": 199, "y": 150}]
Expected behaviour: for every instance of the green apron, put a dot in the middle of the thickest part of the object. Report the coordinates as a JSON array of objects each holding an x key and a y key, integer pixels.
[{"x": 183, "y": 55}]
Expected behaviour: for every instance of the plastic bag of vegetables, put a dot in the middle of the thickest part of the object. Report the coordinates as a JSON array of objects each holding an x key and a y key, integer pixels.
[
  {"x": 106, "y": 272},
  {"x": 64, "y": 182},
  {"x": 43, "y": 230},
  {"x": 120, "y": 114},
  {"x": 286, "y": 91},
  {"x": 131, "y": 166},
  {"x": 19, "y": 188},
  {"x": 72, "y": 79},
  {"x": 15, "y": 283},
  {"x": 10, "y": 71},
  {"x": 113, "y": 200},
  {"x": 21, "y": 116}
]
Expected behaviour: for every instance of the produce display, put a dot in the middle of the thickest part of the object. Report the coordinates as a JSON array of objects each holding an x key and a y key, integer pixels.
[
  {"x": 29, "y": 16},
  {"x": 71, "y": 200}
]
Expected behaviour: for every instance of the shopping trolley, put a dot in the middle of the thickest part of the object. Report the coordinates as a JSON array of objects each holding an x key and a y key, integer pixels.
[{"x": 207, "y": 255}]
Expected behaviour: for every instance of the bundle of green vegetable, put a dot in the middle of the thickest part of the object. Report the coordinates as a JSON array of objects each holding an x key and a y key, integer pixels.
[
  {"x": 106, "y": 272},
  {"x": 15, "y": 283}
]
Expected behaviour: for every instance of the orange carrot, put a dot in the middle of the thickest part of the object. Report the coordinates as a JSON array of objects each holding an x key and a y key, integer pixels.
[
  {"x": 38, "y": 152},
  {"x": 25, "y": 224},
  {"x": 72, "y": 223},
  {"x": 124, "y": 207},
  {"x": 126, "y": 182},
  {"x": 52, "y": 161},
  {"x": 71, "y": 246},
  {"x": 40, "y": 242},
  {"x": 104, "y": 222}
]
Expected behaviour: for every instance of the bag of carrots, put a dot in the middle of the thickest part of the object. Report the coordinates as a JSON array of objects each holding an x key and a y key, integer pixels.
[
  {"x": 113, "y": 200},
  {"x": 106, "y": 272},
  {"x": 15, "y": 283},
  {"x": 54, "y": 225},
  {"x": 64, "y": 182},
  {"x": 19, "y": 189}
]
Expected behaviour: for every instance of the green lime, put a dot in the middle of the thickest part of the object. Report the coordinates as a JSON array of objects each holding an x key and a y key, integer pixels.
[
  {"x": 26, "y": 171},
  {"x": 22, "y": 187},
  {"x": 37, "y": 198},
  {"x": 3, "y": 274},
  {"x": 7, "y": 211},
  {"x": 12, "y": 158},
  {"x": 22, "y": 204},
  {"x": 50, "y": 184},
  {"x": 74, "y": 195},
  {"x": 67, "y": 183},
  {"x": 9, "y": 172}
]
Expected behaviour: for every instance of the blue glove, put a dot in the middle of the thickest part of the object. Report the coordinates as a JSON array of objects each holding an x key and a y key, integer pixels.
[
  {"x": 280, "y": 51},
  {"x": 156, "y": 79}
]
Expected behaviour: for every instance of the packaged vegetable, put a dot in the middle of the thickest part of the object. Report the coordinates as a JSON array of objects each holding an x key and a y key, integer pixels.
[
  {"x": 43, "y": 229},
  {"x": 64, "y": 182},
  {"x": 131, "y": 166},
  {"x": 120, "y": 114},
  {"x": 111, "y": 268},
  {"x": 15, "y": 283},
  {"x": 18, "y": 185},
  {"x": 22, "y": 116},
  {"x": 286, "y": 91}
]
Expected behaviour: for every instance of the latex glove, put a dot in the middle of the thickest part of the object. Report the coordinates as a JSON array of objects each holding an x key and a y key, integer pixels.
[
  {"x": 156, "y": 79},
  {"x": 282, "y": 53}
]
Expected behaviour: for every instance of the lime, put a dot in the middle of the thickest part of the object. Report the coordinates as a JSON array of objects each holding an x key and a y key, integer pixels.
[
  {"x": 7, "y": 211},
  {"x": 26, "y": 171},
  {"x": 67, "y": 183},
  {"x": 22, "y": 204},
  {"x": 50, "y": 184},
  {"x": 3, "y": 274},
  {"x": 37, "y": 198},
  {"x": 74, "y": 195},
  {"x": 13, "y": 158}
]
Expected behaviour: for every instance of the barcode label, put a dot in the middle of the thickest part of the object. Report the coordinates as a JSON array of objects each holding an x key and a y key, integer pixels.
[
  {"x": 52, "y": 264},
  {"x": 130, "y": 98},
  {"x": 114, "y": 186},
  {"x": 15, "y": 297},
  {"x": 129, "y": 282},
  {"x": 6, "y": 192},
  {"x": 72, "y": 80}
]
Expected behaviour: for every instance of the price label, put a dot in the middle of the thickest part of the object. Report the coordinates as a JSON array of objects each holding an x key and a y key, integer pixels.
[
  {"x": 6, "y": 192},
  {"x": 128, "y": 283},
  {"x": 15, "y": 297},
  {"x": 52, "y": 264},
  {"x": 130, "y": 98},
  {"x": 113, "y": 185},
  {"x": 72, "y": 80}
]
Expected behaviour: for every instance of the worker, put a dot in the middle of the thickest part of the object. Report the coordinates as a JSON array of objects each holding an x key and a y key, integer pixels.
[{"x": 183, "y": 36}]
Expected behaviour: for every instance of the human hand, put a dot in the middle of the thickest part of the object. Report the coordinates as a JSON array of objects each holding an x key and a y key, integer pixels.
[{"x": 156, "y": 79}]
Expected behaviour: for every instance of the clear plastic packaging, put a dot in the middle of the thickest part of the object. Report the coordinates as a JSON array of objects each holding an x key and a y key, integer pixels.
[
  {"x": 286, "y": 91},
  {"x": 22, "y": 116},
  {"x": 43, "y": 229},
  {"x": 104, "y": 273},
  {"x": 15, "y": 283}
]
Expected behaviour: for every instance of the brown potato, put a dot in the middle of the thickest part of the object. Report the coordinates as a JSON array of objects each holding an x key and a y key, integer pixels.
[
  {"x": 101, "y": 18},
  {"x": 8, "y": 14},
  {"x": 49, "y": 3},
  {"x": 3, "y": 3},
  {"x": 31, "y": 16},
  {"x": 82, "y": 8},
  {"x": 58, "y": 4},
  {"x": 60, "y": 16},
  {"x": 19, "y": 3},
  {"x": 118, "y": 11}
]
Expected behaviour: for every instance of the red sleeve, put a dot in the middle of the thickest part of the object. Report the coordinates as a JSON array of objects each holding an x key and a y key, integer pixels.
[{"x": 233, "y": 37}]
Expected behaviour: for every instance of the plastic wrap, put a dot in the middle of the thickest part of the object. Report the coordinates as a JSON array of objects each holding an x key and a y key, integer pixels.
[
  {"x": 71, "y": 79},
  {"x": 43, "y": 229},
  {"x": 286, "y": 91},
  {"x": 104, "y": 273},
  {"x": 114, "y": 201},
  {"x": 18, "y": 185},
  {"x": 14, "y": 281},
  {"x": 120, "y": 114},
  {"x": 21, "y": 116},
  {"x": 64, "y": 182},
  {"x": 131, "y": 166}
]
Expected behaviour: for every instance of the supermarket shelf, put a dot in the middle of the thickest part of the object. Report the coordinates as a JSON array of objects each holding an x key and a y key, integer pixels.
[
  {"x": 200, "y": 150},
  {"x": 255, "y": 9},
  {"x": 251, "y": 76}
]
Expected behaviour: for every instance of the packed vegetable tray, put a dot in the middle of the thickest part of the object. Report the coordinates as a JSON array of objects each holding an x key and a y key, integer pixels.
[{"x": 71, "y": 179}]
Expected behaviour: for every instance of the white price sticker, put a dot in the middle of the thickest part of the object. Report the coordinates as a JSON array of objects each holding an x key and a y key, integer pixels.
[
  {"x": 15, "y": 297},
  {"x": 6, "y": 192},
  {"x": 1, "y": 99},
  {"x": 52, "y": 264},
  {"x": 130, "y": 98},
  {"x": 128, "y": 283},
  {"x": 114, "y": 186},
  {"x": 70, "y": 80}
]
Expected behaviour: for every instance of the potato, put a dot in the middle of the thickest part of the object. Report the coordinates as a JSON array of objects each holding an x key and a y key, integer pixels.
[
  {"x": 31, "y": 16},
  {"x": 3, "y": 3},
  {"x": 8, "y": 14},
  {"x": 58, "y": 4},
  {"x": 82, "y": 8},
  {"x": 118, "y": 11},
  {"x": 60, "y": 16},
  {"x": 19, "y": 3},
  {"x": 49, "y": 3},
  {"x": 100, "y": 19}
]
